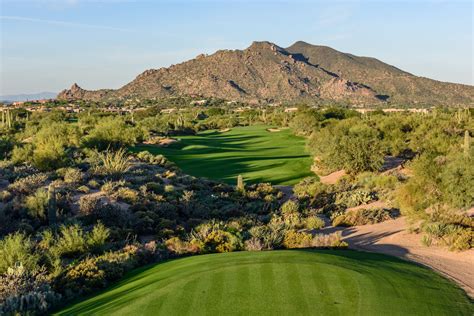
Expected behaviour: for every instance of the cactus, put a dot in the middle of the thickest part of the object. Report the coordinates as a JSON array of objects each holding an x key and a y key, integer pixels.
[
  {"x": 240, "y": 183},
  {"x": 467, "y": 144},
  {"x": 52, "y": 214}
]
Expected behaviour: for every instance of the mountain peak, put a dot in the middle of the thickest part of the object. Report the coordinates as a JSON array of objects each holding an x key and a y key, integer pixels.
[{"x": 267, "y": 72}]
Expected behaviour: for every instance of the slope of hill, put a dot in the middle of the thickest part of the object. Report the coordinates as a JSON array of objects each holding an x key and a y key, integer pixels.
[
  {"x": 400, "y": 86},
  {"x": 267, "y": 72}
]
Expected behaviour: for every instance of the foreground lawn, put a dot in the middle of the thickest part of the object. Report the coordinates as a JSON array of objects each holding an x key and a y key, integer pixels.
[
  {"x": 259, "y": 155},
  {"x": 287, "y": 282}
]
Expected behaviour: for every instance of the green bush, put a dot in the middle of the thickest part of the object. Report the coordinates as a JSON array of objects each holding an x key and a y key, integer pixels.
[
  {"x": 290, "y": 207},
  {"x": 73, "y": 175},
  {"x": 355, "y": 198},
  {"x": 71, "y": 241},
  {"x": 113, "y": 133},
  {"x": 17, "y": 249},
  {"x": 37, "y": 204},
  {"x": 212, "y": 237},
  {"x": 349, "y": 145},
  {"x": 294, "y": 239},
  {"x": 127, "y": 195},
  {"x": 21, "y": 154},
  {"x": 98, "y": 236},
  {"x": 112, "y": 163},
  {"x": 308, "y": 188},
  {"x": 313, "y": 222},
  {"x": 269, "y": 236}
]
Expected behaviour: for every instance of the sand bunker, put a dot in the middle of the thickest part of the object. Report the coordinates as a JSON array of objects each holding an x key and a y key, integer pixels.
[{"x": 273, "y": 130}]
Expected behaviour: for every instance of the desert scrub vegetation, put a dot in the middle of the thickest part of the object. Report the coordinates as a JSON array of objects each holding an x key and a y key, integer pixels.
[
  {"x": 362, "y": 217},
  {"x": 81, "y": 205}
]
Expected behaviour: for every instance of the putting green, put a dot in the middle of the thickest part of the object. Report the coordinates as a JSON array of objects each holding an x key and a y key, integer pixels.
[
  {"x": 254, "y": 152},
  {"x": 287, "y": 282}
]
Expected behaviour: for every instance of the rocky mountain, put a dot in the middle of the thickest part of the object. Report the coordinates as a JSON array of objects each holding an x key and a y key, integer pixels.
[{"x": 267, "y": 72}]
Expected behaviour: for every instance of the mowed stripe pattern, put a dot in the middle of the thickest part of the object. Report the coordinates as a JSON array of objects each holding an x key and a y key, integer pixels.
[
  {"x": 252, "y": 151},
  {"x": 287, "y": 282}
]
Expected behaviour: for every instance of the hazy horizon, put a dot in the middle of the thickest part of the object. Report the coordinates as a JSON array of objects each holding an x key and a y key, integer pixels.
[{"x": 49, "y": 45}]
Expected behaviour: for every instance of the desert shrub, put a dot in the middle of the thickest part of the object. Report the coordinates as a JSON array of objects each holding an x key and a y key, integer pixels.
[
  {"x": 295, "y": 239},
  {"x": 373, "y": 181},
  {"x": 83, "y": 189},
  {"x": 51, "y": 145},
  {"x": 37, "y": 204},
  {"x": 212, "y": 237},
  {"x": 456, "y": 237},
  {"x": 73, "y": 175},
  {"x": 426, "y": 240},
  {"x": 98, "y": 236},
  {"x": 112, "y": 163},
  {"x": 178, "y": 246},
  {"x": 457, "y": 180},
  {"x": 154, "y": 187},
  {"x": 348, "y": 145},
  {"x": 148, "y": 157},
  {"x": 21, "y": 154},
  {"x": 308, "y": 188},
  {"x": 448, "y": 215},
  {"x": 362, "y": 217},
  {"x": 114, "y": 133},
  {"x": 270, "y": 236},
  {"x": 89, "y": 204},
  {"x": 23, "y": 292},
  {"x": 5, "y": 196},
  {"x": 110, "y": 186},
  {"x": 313, "y": 222},
  {"x": 71, "y": 241},
  {"x": 253, "y": 244},
  {"x": 93, "y": 184},
  {"x": 462, "y": 239},
  {"x": 289, "y": 207},
  {"x": 333, "y": 240},
  {"x": 17, "y": 249},
  {"x": 127, "y": 195},
  {"x": 6, "y": 146},
  {"x": 169, "y": 188},
  {"x": 28, "y": 184},
  {"x": 354, "y": 198},
  {"x": 97, "y": 272}
]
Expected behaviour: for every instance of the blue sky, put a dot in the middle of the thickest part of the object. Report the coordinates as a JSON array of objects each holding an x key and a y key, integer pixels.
[{"x": 48, "y": 45}]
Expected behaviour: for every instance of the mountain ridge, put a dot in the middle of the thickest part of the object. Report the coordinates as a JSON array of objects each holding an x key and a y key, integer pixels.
[{"x": 267, "y": 72}]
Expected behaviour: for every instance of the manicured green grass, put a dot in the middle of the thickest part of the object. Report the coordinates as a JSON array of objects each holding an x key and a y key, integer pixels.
[
  {"x": 288, "y": 282},
  {"x": 259, "y": 155}
]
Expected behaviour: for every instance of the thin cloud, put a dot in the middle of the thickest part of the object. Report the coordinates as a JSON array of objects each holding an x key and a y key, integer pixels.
[{"x": 62, "y": 23}]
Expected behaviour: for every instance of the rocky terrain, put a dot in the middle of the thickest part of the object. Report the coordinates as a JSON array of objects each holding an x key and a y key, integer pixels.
[{"x": 267, "y": 72}]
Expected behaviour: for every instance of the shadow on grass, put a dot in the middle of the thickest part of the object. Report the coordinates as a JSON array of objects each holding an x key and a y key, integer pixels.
[{"x": 223, "y": 157}]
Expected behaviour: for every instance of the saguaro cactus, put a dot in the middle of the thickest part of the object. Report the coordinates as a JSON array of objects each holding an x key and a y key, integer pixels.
[
  {"x": 467, "y": 144},
  {"x": 240, "y": 183},
  {"x": 52, "y": 208}
]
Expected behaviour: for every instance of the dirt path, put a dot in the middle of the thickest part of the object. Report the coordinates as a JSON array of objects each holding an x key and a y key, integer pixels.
[{"x": 392, "y": 238}]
